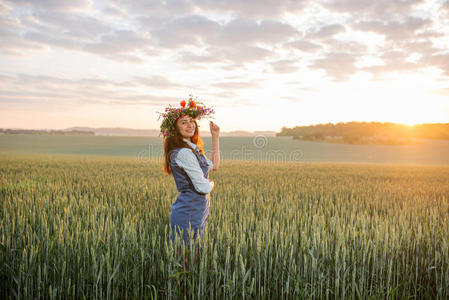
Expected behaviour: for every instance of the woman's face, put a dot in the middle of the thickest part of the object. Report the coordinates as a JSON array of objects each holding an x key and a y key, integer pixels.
[{"x": 186, "y": 126}]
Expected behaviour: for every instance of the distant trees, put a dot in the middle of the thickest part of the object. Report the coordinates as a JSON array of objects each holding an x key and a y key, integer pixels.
[
  {"x": 45, "y": 132},
  {"x": 368, "y": 132}
]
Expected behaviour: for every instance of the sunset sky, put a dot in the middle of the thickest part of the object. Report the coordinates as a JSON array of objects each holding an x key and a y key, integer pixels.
[{"x": 262, "y": 65}]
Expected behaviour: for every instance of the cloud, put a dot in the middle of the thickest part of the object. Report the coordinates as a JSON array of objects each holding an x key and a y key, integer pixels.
[
  {"x": 49, "y": 91},
  {"x": 303, "y": 45},
  {"x": 394, "y": 30},
  {"x": 156, "y": 82},
  {"x": 143, "y": 99},
  {"x": 240, "y": 54},
  {"x": 47, "y": 39},
  {"x": 338, "y": 65},
  {"x": 424, "y": 47},
  {"x": 113, "y": 11},
  {"x": 228, "y": 34},
  {"x": 445, "y": 5},
  {"x": 247, "y": 32},
  {"x": 325, "y": 31},
  {"x": 407, "y": 36},
  {"x": 236, "y": 42},
  {"x": 75, "y": 31},
  {"x": 248, "y": 9},
  {"x": 12, "y": 43},
  {"x": 347, "y": 46},
  {"x": 440, "y": 61},
  {"x": 62, "y": 27},
  {"x": 83, "y": 33},
  {"x": 155, "y": 7},
  {"x": 121, "y": 45},
  {"x": 70, "y": 25},
  {"x": 4, "y": 8},
  {"x": 199, "y": 30},
  {"x": 394, "y": 61},
  {"x": 64, "y": 30},
  {"x": 259, "y": 9},
  {"x": 373, "y": 9},
  {"x": 223, "y": 94},
  {"x": 54, "y": 5},
  {"x": 229, "y": 57},
  {"x": 235, "y": 85},
  {"x": 187, "y": 30},
  {"x": 198, "y": 60},
  {"x": 285, "y": 66}
]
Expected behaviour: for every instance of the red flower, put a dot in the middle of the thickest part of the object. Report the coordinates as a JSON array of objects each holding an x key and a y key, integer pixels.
[
  {"x": 192, "y": 104},
  {"x": 183, "y": 103}
]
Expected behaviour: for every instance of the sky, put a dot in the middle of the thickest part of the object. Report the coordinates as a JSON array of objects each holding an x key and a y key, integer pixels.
[{"x": 261, "y": 65}]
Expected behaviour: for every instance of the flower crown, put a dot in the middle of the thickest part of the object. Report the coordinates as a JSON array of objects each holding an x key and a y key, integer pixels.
[{"x": 191, "y": 108}]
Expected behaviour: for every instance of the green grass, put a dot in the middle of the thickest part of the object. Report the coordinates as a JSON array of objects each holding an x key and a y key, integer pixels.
[
  {"x": 274, "y": 149},
  {"x": 97, "y": 227}
]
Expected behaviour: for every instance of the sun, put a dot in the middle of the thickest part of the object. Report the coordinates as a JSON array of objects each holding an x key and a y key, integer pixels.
[
  {"x": 403, "y": 101},
  {"x": 411, "y": 123}
]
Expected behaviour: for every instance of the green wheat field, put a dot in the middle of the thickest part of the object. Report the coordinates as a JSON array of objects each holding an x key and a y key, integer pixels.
[{"x": 97, "y": 227}]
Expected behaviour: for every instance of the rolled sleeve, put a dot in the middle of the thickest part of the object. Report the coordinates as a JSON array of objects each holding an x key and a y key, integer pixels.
[{"x": 187, "y": 160}]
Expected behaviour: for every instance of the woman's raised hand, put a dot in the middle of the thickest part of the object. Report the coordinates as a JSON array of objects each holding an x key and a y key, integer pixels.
[{"x": 214, "y": 129}]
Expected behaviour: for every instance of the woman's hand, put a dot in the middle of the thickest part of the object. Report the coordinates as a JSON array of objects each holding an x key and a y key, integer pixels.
[
  {"x": 214, "y": 129},
  {"x": 211, "y": 184},
  {"x": 215, "y": 155}
]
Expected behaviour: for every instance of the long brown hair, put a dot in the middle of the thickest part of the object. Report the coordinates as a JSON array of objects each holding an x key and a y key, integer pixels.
[{"x": 170, "y": 143}]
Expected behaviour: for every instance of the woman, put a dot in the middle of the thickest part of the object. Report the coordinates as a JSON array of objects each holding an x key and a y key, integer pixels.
[{"x": 184, "y": 158}]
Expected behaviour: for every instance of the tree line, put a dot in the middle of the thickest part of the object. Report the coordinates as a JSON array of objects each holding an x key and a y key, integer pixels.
[
  {"x": 45, "y": 132},
  {"x": 357, "y": 131}
]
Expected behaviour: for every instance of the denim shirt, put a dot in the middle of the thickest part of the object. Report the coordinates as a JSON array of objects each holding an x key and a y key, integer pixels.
[{"x": 188, "y": 161}]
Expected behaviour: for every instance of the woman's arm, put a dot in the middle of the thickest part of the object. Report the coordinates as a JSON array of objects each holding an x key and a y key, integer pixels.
[
  {"x": 189, "y": 162},
  {"x": 215, "y": 155}
]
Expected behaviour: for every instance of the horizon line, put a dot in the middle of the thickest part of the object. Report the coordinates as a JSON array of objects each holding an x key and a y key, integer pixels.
[{"x": 332, "y": 123}]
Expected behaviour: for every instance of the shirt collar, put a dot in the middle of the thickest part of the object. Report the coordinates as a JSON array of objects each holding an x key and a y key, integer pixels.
[{"x": 194, "y": 146}]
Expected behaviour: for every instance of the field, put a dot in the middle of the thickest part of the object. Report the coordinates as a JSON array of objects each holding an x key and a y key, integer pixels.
[
  {"x": 96, "y": 227},
  {"x": 273, "y": 149}
]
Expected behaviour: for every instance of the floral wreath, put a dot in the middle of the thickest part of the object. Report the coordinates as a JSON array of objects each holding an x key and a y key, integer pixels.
[{"x": 191, "y": 108}]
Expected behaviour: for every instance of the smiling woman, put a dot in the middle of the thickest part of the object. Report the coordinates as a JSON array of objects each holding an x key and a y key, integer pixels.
[
  {"x": 184, "y": 158},
  {"x": 187, "y": 126}
]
